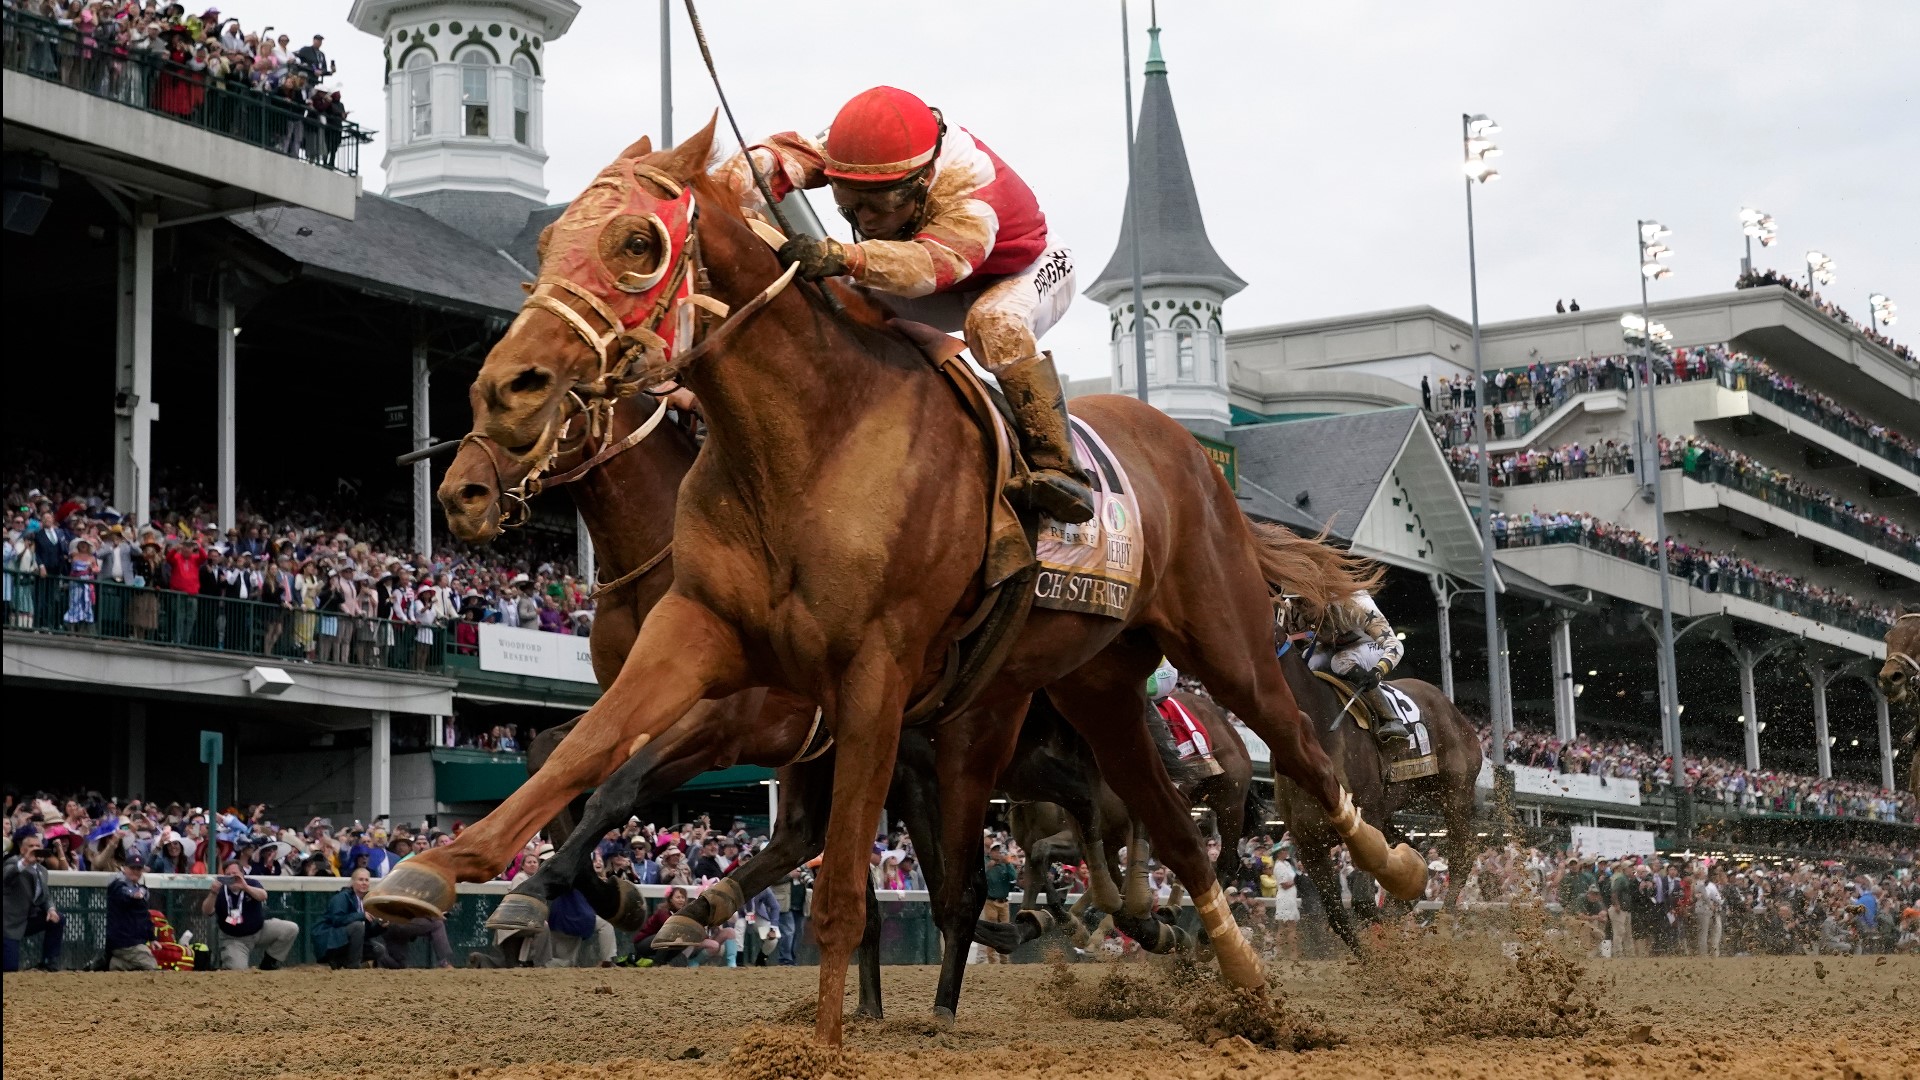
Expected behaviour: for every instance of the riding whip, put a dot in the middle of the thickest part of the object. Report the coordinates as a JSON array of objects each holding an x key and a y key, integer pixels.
[{"x": 759, "y": 181}]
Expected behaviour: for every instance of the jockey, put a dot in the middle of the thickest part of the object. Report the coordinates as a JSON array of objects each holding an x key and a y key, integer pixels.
[
  {"x": 956, "y": 239},
  {"x": 1189, "y": 734},
  {"x": 1361, "y": 647}
]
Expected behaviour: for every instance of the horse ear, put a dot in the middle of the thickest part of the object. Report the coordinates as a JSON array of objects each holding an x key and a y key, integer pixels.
[
  {"x": 639, "y": 149},
  {"x": 689, "y": 159},
  {"x": 546, "y": 234}
]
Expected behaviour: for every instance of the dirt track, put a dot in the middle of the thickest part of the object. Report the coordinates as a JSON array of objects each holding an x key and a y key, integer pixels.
[{"x": 1738, "y": 1017}]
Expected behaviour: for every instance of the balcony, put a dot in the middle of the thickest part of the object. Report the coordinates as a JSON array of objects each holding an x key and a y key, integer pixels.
[{"x": 199, "y": 146}]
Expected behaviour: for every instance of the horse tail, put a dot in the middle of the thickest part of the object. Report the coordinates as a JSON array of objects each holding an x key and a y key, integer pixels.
[
  {"x": 1313, "y": 572},
  {"x": 1182, "y": 772}
]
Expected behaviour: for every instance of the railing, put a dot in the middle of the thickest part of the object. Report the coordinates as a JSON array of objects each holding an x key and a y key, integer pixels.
[
  {"x": 1701, "y": 573},
  {"x": 1797, "y": 404},
  {"x": 1540, "y": 469},
  {"x": 1727, "y": 475},
  {"x": 103, "y": 65},
  {"x": 109, "y": 611}
]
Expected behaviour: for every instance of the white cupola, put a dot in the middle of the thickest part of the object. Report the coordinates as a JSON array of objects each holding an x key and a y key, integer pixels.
[{"x": 465, "y": 137}]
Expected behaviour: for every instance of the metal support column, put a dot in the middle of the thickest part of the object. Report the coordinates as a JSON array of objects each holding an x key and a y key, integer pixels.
[
  {"x": 1820, "y": 675},
  {"x": 1886, "y": 735},
  {"x": 422, "y": 469},
  {"x": 1443, "y": 599},
  {"x": 137, "y": 748},
  {"x": 773, "y": 804},
  {"x": 1505, "y": 688},
  {"x": 1749, "y": 707},
  {"x": 1563, "y": 721},
  {"x": 224, "y": 344},
  {"x": 583, "y": 552},
  {"x": 380, "y": 760},
  {"x": 133, "y": 408}
]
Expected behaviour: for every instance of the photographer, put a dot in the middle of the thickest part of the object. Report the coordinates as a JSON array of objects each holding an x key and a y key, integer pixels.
[
  {"x": 240, "y": 904},
  {"x": 129, "y": 927},
  {"x": 28, "y": 906}
]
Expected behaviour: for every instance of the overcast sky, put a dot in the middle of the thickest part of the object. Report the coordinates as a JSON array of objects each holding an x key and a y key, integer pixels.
[{"x": 1324, "y": 138}]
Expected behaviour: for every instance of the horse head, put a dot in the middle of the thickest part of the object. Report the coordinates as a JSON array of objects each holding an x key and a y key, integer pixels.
[
  {"x": 595, "y": 325},
  {"x": 1898, "y": 674}
]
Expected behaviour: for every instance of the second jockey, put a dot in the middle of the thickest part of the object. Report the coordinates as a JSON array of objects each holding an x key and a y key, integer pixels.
[
  {"x": 956, "y": 239},
  {"x": 1356, "y": 642},
  {"x": 1189, "y": 734}
]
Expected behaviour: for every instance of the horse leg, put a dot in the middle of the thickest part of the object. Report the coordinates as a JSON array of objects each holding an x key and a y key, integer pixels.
[
  {"x": 1456, "y": 809},
  {"x": 969, "y": 759},
  {"x": 683, "y": 654},
  {"x": 915, "y": 797},
  {"x": 1106, "y": 701},
  {"x": 1249, "y": 682},
  {"x": 657, "y": 769},
  {"x": 1316, "y": 860},
  {"x": 538, "y": 751},
  {"x": 1229, "y": 804},
  {"x": 867, "y": 727}
]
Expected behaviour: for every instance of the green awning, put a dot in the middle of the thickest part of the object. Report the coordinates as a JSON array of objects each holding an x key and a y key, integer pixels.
[
  {"x": 737, "y": 776},
  {"x": 461, "y": 776}
]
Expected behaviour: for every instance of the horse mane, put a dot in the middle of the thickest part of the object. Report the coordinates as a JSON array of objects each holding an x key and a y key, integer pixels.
[{"x": 1316, "y": 574}]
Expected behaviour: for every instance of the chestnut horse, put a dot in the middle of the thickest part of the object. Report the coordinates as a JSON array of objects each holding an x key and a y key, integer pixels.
[
  {"x": 1898, "y": 677},
  {"x": 625, "y": 477},
  {"x": 829, "y": 541}
]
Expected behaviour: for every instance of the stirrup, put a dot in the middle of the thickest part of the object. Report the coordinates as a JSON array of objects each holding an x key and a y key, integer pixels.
[{"x": 1391, "y": 731}]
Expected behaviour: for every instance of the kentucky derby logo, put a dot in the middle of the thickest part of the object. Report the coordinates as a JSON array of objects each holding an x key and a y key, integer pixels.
[{"x": 1116, "y": 515}]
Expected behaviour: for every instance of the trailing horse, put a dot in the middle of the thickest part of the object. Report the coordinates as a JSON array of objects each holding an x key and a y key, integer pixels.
[
  {"x": 1363, "y": 766},
  {"x": 1898, "y": 677},
  {"x": 829, "y": 543}
]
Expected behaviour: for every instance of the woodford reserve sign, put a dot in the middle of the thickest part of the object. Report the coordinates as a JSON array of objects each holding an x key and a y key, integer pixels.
[{"x": 1225, "y": 457}]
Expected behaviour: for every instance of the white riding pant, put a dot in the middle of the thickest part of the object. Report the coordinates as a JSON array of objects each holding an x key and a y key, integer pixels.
[
  {"x": 1003, "y": 318},
  {"x": 1357, "y": 657}
]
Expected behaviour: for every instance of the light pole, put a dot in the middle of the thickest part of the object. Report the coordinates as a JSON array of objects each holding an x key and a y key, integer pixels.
[
  {"x": 1652, "y": 269},
  {"x": 666, "y": 74},
  {"x": 1477, "y": 147},
  {"x": 1133, "y": 212},
  {"x": 1757, "y": 225},
  {"x": 1880, "y": 311},
  {"x": 1820, "y": 269}
]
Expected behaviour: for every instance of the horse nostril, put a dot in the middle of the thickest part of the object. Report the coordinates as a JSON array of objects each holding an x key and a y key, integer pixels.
[
  {"x": 532, "y": 380},
  {"x": 473, "y": 493}
]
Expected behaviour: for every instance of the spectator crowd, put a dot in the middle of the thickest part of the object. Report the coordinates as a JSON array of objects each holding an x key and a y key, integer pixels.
[
  {"x": 297, "y": 580},
  {"x": 1711, "y": 571},
  {"x": 1754, "y": 279},
  {"x": 1727, "y": 784},
  {"x": 1512, "y": 400},
  {"x": 206, "y": 69}
]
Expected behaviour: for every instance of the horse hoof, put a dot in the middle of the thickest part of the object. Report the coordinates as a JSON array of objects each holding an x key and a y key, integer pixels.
[
  {"x": 1040, "y": 918},
  {"x": 943, "y": 1018},
  {"x": 518, "y": 911},
  {"x": 410, "y": 891},
  {"x": 631, "y": 915},
  {"x": 1405, "y": 874},
  {"x": 679, "y": 932}
]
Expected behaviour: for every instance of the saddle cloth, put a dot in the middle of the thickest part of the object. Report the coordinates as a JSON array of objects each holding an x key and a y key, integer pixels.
[
  {"x": 1413, "y": 760},
  {"x": 1189, "y": 735},
  {"x": 1093, "y": 567},
  {"x": 1417, "y": 759}
]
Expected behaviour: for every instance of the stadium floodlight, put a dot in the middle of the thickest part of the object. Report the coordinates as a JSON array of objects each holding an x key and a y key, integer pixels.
[
  {"x": 1757, "y": 225},
  {"x": 1820, "y": 269},
  {"x": 1652, "y": 251},
  {"x": 1479, "y": 147},
  {"x": 1880, "y": 311}
]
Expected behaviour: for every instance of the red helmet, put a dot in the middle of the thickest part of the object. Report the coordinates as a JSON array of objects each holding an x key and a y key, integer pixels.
[{"x": 883, "y": 134}]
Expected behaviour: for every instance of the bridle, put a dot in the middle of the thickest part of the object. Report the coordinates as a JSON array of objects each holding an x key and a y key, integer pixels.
[
  {"x": 1905, "y": 660},
  {"x": 629, "y": 359}
]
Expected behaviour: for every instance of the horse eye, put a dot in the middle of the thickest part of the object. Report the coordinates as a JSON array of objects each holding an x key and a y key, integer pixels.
[{"x": 639, "y": 244}]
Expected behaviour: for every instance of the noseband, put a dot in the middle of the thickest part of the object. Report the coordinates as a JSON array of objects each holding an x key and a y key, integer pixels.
[{"x": 628, "y": 360}]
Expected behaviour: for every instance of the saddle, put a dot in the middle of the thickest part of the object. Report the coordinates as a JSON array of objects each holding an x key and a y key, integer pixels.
[{"x": 1413, "y": 761}]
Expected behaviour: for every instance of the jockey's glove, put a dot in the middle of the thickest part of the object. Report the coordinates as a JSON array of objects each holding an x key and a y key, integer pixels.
[{"x": 816, "y": 257}]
